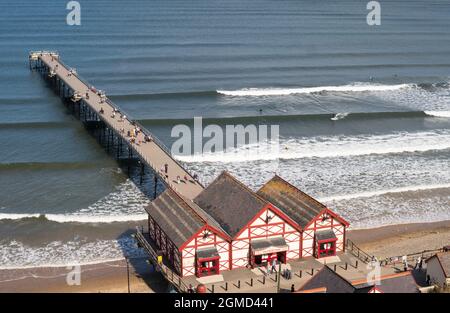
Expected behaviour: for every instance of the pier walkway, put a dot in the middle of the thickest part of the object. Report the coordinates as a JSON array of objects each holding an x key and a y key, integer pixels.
[{"x": 151, "y": 151}]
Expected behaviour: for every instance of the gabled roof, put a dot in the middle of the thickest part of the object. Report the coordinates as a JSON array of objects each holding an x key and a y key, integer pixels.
[
  {"x": 299, "y": 206},
  {"x": 176, "y": 217},
  {"x": 403, "y": 282},
  {"x": 444, "y": 261},
  {"x": 230, "y": 203},
  {"x": 327, "y": 278}
]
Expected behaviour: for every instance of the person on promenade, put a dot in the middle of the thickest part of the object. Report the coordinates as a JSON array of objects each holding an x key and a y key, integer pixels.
[
  {"x": 405, "y": 263},
  {"x": 274, "y": 266},
  {"x": 166, "y": 168},
  {"x": 113, "y": 115},
  {"x": 418, "y": 263},
  {"x": 292, "y": 288},
  {"x": 101, "y": 110}
]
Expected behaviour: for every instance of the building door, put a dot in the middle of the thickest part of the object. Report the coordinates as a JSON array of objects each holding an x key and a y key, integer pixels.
[
  {"x": 326, "y": 248},
  {"x": 208, "y": 266}
]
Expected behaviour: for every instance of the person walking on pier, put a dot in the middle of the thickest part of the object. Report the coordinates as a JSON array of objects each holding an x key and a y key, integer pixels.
[
  {"x": 274, "y": 266},
  {"x": 101, "y": 110},
  {"x": 166, "y": 168}
]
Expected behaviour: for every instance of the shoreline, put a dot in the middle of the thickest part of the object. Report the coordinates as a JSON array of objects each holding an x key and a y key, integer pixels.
[{"x": 111, "y": 275}]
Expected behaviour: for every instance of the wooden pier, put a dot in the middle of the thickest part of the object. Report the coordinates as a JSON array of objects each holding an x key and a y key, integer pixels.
[{"x": 118, "y": 131}]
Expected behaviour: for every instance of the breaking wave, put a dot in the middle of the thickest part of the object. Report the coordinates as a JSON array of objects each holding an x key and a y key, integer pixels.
[
  {"x": 356, "y": 87},
  {"x": 438, "y": 113},
  {"x": 329, "y": 147},
  {"x": 369, "y": 194},
  {"x": 126, "y": 204}
]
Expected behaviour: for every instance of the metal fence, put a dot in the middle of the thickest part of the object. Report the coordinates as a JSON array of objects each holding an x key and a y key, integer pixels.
[
  {"x": 157, "y": 141},
  {"x": 168, "y": 273},
  {"x": 353, "y": 249}
]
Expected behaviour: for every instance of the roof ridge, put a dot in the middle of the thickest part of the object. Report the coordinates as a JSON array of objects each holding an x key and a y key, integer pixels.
[
  {"x": 187, "y": 206},
  {"x": 242, "y": 185},
  {"x": 383, "y": 277},
  {"x": 296, "y": 189}
]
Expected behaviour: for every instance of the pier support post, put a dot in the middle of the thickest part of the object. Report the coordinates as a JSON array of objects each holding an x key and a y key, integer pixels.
[
  {"x": 142, "y": 173},
  {"x": 155, "y": 186}
]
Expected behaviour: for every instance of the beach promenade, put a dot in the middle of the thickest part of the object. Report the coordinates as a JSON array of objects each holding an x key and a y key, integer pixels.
[{"x": 148, "y": 148}]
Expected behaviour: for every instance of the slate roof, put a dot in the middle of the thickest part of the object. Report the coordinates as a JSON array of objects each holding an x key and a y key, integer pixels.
[
  {"x": 396, "y": 283},
  {"x": 299, "y": 206},
  {"x": 230, "y": 203},
  {"x": 325, "y": 234},
  {"x": 269, "y": 242},
  {"x": 207, "y": 253},
  {"x": 444, "y": 261},
  {"x": 176, "y": 217},
  {"x": 333, "y": 282}
]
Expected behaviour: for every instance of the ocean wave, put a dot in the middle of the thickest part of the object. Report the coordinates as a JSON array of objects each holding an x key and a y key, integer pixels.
[
  {"x": 329, "y": 147},
  {"x": 339, "y": 116},
  {"x": 125, "y": 204},
  {"x": 356, "y": 87},
  {"x": 16, "y": 255},
  {"x": 75, "y": 218},
  {"x": 438, "y": 113},
  {"x": 369, "y": 194}
]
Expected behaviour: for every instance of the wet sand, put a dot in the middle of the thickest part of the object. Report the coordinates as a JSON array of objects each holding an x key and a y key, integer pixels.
[
  {"x": 402, "y": 239},
  {"x": 101, "y": 277},
  {"x": 112, "y": 276}
]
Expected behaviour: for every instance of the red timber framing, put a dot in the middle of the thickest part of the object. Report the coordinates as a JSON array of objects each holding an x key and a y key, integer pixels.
[
  {"x": 208, "y": 266},
  {"x": 165, "y": 246},
  {"x": 206, "y": 237},
  {"x": 325, "y": 220},
  {"x": 268, "y": 222},
  {"x": 325, "y": 248}
]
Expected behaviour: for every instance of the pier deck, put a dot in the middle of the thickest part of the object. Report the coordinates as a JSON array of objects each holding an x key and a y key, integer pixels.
[{"x": 153, "y": 153}]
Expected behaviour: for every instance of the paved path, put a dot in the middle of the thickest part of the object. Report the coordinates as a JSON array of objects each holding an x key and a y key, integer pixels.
[{"x": 152, "y": 152}]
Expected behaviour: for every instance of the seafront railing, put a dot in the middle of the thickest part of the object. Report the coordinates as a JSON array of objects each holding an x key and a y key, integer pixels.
[
  {"x": 168, "y": 273},
  {"x": 353, "y": 249},
  {"x": 412, "y": 257},
  {"x": 154, "y": 138}
]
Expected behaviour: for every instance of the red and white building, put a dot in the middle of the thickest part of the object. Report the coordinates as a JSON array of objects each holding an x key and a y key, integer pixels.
[{"x": 229, "y": 226}]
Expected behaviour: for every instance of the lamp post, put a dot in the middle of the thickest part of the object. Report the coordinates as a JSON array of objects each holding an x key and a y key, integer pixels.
[
  {"x": 128, "y": 274},
  {"x": 279, "y": 277}
]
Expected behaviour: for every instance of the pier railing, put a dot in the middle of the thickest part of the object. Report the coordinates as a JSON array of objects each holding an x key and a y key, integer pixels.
[
  {"x": 136, "y": 123},
  {"x": 168, "y": 273},
  {"x": 411, "y": 258},
  {"x": 353, "y": 249}
]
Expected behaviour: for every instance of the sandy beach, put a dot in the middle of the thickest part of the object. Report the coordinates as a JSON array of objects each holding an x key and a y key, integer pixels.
[{"x": 112, "y": 276}]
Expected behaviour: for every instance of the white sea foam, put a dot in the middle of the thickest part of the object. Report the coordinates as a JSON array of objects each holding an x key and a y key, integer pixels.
[
  {"x": 15, "y": 254},
  {"x": 356, "y": 87},
  {"x": 438, "y": 113},
  {"x": 368, "y": 194},
  {"x": 125, "y": 204},
  {"x": 339, "y": 116},
  {"x": 331, "y": 146}
]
